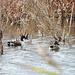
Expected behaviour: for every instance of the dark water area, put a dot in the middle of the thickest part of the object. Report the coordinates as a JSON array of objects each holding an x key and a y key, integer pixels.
[{"x": 29, "y": 55}]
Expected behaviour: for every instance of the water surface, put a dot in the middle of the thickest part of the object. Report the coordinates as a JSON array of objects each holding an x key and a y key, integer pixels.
[{"x": 14, "y": 58}]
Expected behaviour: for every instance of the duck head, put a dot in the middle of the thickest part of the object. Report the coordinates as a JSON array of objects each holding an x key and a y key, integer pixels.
[{"x": 56, "y": 42}]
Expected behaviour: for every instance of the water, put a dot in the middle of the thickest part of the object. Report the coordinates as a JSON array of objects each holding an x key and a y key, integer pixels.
[{"x": 15, "y": 58}]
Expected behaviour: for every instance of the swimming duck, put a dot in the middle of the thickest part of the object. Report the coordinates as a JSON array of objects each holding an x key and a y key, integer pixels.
[
  {"x": 54, "y": 47},
  {"x": 14, "y": 43}
]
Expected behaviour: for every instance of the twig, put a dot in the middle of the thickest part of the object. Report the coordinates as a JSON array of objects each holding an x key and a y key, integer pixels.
[{"x": 71, "y": 20}]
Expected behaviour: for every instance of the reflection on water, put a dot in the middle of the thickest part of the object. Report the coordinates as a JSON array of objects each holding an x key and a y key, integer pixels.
[{"x": 28, "y": 55}]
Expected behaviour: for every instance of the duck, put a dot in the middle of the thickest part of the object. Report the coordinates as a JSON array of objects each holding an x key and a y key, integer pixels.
[
  {"x": 14, "y": 43},
  {"x": 54, "y": 47},
  {"x": 24, "y": 37}
]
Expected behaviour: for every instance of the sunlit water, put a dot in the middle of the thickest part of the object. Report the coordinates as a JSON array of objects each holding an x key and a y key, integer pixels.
[{"x": 14, "y": 58}]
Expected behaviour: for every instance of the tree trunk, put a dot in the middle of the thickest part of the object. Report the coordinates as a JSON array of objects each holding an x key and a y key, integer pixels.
[
  {"x": 1, "y": 32},
  {"x": 1, "y": 43}
]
